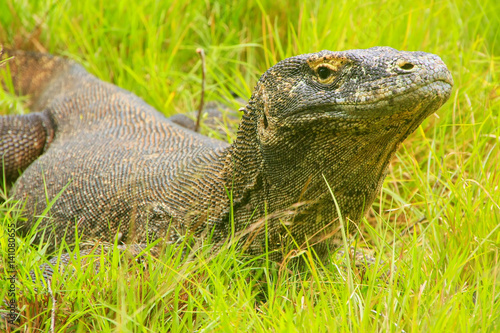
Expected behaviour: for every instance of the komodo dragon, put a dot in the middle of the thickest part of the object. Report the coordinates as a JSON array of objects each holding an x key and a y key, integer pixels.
[{"x": 316, "y": 124}]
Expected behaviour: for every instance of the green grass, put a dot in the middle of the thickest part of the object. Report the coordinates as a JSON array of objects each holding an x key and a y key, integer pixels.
[{"x": 447, "y": 171}]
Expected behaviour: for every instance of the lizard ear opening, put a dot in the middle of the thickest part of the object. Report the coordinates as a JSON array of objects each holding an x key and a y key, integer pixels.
[{"x": 265, "y": 121}]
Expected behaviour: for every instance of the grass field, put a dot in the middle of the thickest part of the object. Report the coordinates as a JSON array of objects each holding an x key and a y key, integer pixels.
[{"x": 446, "y": 176}]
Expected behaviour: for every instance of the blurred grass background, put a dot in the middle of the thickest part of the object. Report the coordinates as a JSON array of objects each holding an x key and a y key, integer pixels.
[{"x": 445, "y": 176}]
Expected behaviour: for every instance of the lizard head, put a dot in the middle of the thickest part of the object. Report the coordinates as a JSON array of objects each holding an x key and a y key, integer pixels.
[{"x": 354, "y": 90}]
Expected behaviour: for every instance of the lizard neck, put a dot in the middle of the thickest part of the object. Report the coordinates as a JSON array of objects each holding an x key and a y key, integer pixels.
[{"x": 300, "y": 171}]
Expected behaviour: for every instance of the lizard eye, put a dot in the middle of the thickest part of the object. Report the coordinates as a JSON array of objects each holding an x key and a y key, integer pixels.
[{"x": 324, "y": 72}]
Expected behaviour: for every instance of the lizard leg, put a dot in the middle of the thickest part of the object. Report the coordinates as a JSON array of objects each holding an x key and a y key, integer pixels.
[{"x": 22, "y": 139}]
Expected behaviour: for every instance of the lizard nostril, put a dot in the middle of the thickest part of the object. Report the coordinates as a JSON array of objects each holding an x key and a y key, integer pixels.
[{"x": 406, "y": 66}]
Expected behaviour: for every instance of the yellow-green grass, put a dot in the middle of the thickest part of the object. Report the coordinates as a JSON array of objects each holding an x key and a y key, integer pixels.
[{"x": 448, "y": 171}]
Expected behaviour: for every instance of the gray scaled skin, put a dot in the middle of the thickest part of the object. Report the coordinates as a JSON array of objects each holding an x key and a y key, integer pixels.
[{"x": 314, "y": 121}]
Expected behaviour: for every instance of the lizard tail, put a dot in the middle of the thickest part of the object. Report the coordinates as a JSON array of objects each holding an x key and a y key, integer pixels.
[{"x": 23, "y": 138}]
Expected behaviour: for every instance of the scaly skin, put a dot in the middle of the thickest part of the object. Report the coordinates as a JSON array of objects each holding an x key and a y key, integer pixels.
[{"x": 327, "y": 118}]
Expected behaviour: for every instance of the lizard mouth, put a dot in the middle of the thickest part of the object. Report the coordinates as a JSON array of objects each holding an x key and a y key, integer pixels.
[
  {"x": 420, "y": 101},
  {"x": 409, "y": 101}
]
